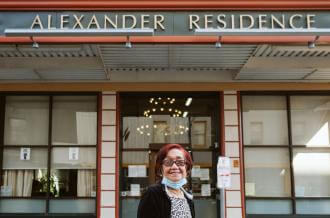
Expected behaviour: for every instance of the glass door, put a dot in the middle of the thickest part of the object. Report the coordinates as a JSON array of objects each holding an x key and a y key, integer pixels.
[{"x": 151, "y": 120}]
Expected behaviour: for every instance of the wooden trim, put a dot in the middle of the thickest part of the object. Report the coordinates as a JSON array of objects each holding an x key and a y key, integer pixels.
[
  {"x": 290, "y": 40},
  {"x": 117, "y": 186},
  {"x": 99, "y": 153},
  {"x": 241, "y": 154},
  {"x": 158, "y": 86},
  {"x": 181, "y": 5}
]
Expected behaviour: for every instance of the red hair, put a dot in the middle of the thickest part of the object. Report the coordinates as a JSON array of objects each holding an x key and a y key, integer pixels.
[{"x": 162, "y": 154}]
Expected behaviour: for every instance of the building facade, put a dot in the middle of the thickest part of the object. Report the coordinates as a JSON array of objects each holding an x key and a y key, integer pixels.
[{"x": 90, "y": 93}]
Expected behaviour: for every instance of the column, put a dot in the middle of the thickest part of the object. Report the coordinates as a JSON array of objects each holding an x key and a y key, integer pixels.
[
  {"x": 109, "y": 173},
  {"x": 234, "y": 196}
]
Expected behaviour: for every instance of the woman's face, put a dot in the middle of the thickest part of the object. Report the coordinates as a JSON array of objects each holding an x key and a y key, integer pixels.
[{"x": 174, "y": 171}]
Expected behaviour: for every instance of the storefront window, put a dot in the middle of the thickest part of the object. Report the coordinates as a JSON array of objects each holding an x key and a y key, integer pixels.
[
  {"x": 267, "y": 172},
  {"x": 265, "y": 120},
  {"x": 36, "y": 173},
  {"x": 292, "y": 176},
  {"x": 149, "y": 121},
  {"x": 310, "y": 120}
]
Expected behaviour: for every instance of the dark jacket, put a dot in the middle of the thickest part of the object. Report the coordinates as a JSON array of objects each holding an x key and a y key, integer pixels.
[{"x": 155, "y": 203}]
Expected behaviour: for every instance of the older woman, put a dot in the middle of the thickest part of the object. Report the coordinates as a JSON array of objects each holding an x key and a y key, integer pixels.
[{"x": 167, "y": 198}]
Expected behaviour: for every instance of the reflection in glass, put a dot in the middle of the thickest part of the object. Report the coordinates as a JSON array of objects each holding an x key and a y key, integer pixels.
[
  {"x": 264, "y": 120},
  {"x": 267, "y": 172},
  {"x": 310, "y": 120},
  {"x": 23, "y": 112},
  {"x": 74, "y": 120},
  {"x": 312, "y": 172}
]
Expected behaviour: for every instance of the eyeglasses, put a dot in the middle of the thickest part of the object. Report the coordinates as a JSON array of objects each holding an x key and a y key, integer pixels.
[{"x": 169, "y": 162}]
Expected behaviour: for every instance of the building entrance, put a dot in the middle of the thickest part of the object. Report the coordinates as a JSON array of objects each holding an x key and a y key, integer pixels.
[{"x": 151, "y": 120}]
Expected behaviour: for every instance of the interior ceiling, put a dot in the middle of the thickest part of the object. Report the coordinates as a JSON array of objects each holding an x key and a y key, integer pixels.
[{"x": 164, "y": 62}]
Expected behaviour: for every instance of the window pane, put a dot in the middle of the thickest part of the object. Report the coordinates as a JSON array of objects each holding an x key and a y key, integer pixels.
[
  {"x": 72, "y": 206},
  {"x": 22, "y": 206},
  {"x": 310, "y": 120},
  {"x": 24, "y": 178},
  {"x": 22, "y": 113},
  {"x": 135, "y": 170},
  {"x": 74, "y": 120},
  {"x": 201, "y": 175},
  {"x": 73, "y": 172},
  {"x": 265, "y": 120},
  {"x": 268, "y": 207},
  {"x": 312, "y": 172},
  {"x": 317, "y": 206},
  {"x": 267, "y": 172}
]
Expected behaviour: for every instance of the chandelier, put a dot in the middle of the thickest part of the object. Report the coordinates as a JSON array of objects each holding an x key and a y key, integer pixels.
[{"x": 163, "y": 106}]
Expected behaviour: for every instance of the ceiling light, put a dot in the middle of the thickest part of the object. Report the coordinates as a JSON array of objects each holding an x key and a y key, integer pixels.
[
  {"x": 185, "y": 114},
  {"x": 188, "y": 101},
  {"x": 35, "y": 45},
  {"x": 128, "y": 44},
  {"x": 218, "y": 45},
  {"x": 311, "y": 45}
]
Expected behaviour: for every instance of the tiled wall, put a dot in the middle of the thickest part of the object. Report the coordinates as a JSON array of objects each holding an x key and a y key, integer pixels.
[
  {"x": 233, "y": 195},
  {"x": 109, "y": 171}
]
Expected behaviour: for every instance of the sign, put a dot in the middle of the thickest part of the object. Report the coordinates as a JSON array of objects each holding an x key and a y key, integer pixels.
[
  {"x": 73, "y": 153},
  {"x": 223, "y": 172},
  {"x": 164, "y": 22},
  {"x": 25, "y": 153}
]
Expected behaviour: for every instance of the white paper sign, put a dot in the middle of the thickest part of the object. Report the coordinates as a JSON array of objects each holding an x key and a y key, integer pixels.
[
  {"x": 135, "y": 190},
  {"x": 205, "y": 174},
  {"x": 141, "y": 171},
  {"x": 73, "y": 153},
  {"x": 223, "y": 172},
  {"x": 25, "y": 153},
  {"x": 224, "y": 181},
  {"x": 132, "y": 171},
  {"x": 206, "y": 189},
  {"x": 137, "y": 171},
  {"x": 195, "y": 171}
]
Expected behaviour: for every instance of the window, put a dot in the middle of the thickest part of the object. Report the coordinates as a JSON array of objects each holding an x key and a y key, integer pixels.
[
  {"x": 151, "y": 120},
  {"x": 49, "y": 154},
  {"x": 286, "y": 153}
]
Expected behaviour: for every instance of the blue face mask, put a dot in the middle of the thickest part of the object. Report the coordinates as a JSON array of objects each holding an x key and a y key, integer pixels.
[{"x": 174, "y": 185}]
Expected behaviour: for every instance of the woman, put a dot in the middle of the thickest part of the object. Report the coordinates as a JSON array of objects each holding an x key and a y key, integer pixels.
[{"x": 167, "y": 198}]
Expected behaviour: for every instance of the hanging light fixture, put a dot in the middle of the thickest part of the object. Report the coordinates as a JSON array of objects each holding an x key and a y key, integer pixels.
[{"x": 164, "y": 106}]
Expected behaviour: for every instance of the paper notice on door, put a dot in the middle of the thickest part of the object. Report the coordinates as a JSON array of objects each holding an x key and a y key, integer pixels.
[
  {"x": 196, "y": 171},
  {"x": 132, "y": 171},
  {"x": 205, "y": 174},
  {"x": 141, "y": 171},
  {"x": 206, "y": 190},
  {"x": 135, "y": 190}
]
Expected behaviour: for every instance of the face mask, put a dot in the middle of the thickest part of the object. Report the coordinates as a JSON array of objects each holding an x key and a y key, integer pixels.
[{"x": 174, "y": 185}]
